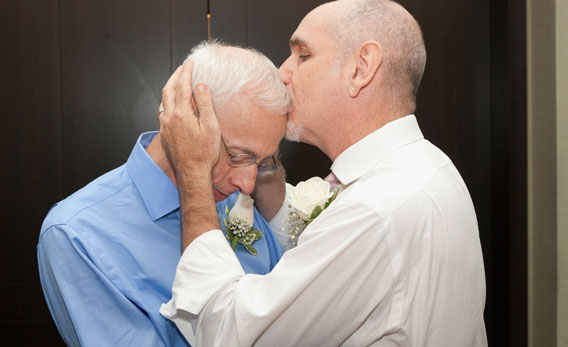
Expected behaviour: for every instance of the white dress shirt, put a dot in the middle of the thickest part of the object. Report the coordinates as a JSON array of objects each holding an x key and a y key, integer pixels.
[
  {"x": 279, "y": 223},
  {"x": 395, "y": 260}
]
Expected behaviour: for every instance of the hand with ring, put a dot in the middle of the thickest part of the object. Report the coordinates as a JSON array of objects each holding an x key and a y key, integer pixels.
[{"x": 191, "y": 137}]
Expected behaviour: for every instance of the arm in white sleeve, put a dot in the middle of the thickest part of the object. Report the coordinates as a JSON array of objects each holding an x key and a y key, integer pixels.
[
  {"x": 279, "y": 223},
  {"x": 341, "y": 268}
]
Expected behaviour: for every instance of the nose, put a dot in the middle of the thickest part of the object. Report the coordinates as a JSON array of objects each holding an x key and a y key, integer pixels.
[
  {"x": 244, "y": 178},
  {"x": 285, "y": 73}
]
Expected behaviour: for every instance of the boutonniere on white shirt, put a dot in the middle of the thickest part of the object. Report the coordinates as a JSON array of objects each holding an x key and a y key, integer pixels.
[
  {"x": 306, "y": 201},
  {"x": 239, "y": 224}
]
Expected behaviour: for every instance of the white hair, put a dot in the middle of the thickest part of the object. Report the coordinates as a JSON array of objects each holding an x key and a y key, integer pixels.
[
  {"x": 233, "y": 72},
  {"x": 398, "y": 33}
]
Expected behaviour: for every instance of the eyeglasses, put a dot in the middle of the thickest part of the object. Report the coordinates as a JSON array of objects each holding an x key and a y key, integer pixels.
[{"x": 266, "y": 166}]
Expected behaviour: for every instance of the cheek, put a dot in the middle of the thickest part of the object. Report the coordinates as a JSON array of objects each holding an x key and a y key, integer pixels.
[
  {"x": 220, "y": 171},
  {"x": 312, "y": 85}
]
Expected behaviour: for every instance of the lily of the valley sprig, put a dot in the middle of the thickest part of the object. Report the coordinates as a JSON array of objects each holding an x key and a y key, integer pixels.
[{"x": 239, "y": 224}]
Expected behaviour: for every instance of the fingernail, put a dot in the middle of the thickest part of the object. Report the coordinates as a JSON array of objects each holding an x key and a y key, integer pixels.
[{"x": 201, "y": 88}]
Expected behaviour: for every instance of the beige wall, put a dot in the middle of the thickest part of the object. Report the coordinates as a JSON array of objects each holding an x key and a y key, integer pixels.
[
  {"x": 547, "y": 76},
  {"x": 562, "y": 166}
]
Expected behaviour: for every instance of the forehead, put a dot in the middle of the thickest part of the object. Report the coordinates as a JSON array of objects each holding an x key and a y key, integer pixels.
[
  {"x": 316, "y": 27},
  {"x": 245, "y": 124}
]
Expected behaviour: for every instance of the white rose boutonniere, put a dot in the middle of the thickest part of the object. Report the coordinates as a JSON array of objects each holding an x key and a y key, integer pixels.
[
  {"x": 307, "y": 200},
  {"x": 239, "y": 224}
]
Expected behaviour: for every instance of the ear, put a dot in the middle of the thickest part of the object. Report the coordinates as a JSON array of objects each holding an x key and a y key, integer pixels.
[{"x": 369, "y": 59}]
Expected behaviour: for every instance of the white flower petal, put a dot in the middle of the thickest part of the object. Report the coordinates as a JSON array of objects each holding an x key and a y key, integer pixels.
[
  {"x": 243, "y": 209},
  {"x": 309, "y": 194}
]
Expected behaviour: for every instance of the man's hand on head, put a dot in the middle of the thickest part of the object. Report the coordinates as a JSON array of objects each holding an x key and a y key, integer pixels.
[
  {"x": 192, "y": 141},
  {"x": 190, "y": 137}
]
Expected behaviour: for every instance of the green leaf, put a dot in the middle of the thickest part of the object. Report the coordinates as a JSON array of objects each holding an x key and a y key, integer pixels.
[
  {"x": 250, "y": 238},
  {"x": 316, "y": 212},
  {"x": 330, "y": 200},
  {"x": 227, "y": 211},
  {"x": 251, "y": 249},
  {"x": 234, "y": 242},
  {"x": 257, "y": 232}
]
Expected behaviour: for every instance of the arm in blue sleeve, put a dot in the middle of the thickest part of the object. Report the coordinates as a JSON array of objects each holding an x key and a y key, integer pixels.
[{"x": 87, "y": 307}]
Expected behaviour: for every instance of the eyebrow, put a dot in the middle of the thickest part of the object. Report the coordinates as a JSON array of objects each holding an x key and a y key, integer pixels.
[
  {"x": 296, "y": 41},
  {"x": 244, "y": 149},
  {"x": 252, "y": 152}
]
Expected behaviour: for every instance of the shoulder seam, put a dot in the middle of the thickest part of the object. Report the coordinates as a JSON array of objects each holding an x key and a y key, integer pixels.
[{"x": 87, "y": 207}]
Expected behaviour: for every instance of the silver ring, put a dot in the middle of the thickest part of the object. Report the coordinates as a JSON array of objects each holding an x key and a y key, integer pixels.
[{"x": 161, "y": 109}]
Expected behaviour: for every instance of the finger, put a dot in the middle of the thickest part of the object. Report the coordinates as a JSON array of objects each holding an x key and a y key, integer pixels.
[
  {"x": 162, "y": 119},
  {"x": 204, "y": 104},
  {"x": 207, "y": 119},
  {"x": 194, "y": 107},
  {"x": 169, "y": 91},
  {"x": 183, "y": 91}
]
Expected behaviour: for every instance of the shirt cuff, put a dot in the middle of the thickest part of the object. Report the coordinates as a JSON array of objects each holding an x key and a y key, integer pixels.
[{"x": 279, "y": 223}]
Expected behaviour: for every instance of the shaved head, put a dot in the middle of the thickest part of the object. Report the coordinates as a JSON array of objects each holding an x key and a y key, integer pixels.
[{"x": 396, "y": 31}]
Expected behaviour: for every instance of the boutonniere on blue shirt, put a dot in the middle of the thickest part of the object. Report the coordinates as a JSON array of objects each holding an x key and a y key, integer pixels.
[
  {"x": 239, "y": 224},
  {"x": 306, "y": 201}
]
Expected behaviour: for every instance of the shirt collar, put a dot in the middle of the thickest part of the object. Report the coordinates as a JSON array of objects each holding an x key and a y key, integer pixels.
[
  {"x": 362, "y": 156},
  {"x": 158, "y": 192}
]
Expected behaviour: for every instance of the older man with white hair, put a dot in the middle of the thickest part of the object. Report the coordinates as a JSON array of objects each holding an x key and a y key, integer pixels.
[
  {"x": 395, "y": 260},
  {"x": 107, "y": 254}
]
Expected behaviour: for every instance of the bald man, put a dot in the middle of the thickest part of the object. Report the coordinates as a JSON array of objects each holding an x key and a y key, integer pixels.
[{"x": 395, "y": 260}]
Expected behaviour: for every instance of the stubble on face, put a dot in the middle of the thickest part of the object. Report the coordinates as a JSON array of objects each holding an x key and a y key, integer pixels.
[{"x": 294, "y": 131}]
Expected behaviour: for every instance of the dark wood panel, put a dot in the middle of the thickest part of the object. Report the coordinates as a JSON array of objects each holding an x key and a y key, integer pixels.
[
  {"x": 189, "y": 24},
  {"x": 189, "y": 27},
  {"x": 115, "y": 61},
  {"x": 228, "y": 21},
  {"x": 271, "y": 23},
  {"x": 23, "y": 302},
  {"x": 509, "y": 172},
  {"x": 31, "y": 140},
  {"x": 32, "y": 162},
  {"x": 30, "y": 333},
  {"x": 517, "y": 172}
]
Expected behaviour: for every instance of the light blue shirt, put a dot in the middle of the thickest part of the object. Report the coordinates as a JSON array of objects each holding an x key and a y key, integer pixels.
[{"x": 108, "y": 253}]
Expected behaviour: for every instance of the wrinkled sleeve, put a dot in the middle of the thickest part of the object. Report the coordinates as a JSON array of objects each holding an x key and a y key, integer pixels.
[
  {"x": 279, "y": 223},
  {"x": 87, "y": 307},
  {"x": 215, "y": 304}
]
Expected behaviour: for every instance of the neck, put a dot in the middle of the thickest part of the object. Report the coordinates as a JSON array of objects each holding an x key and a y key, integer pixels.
[
  {"x": 158, "y": 154},
  {"x": 350, "y": 127}
]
